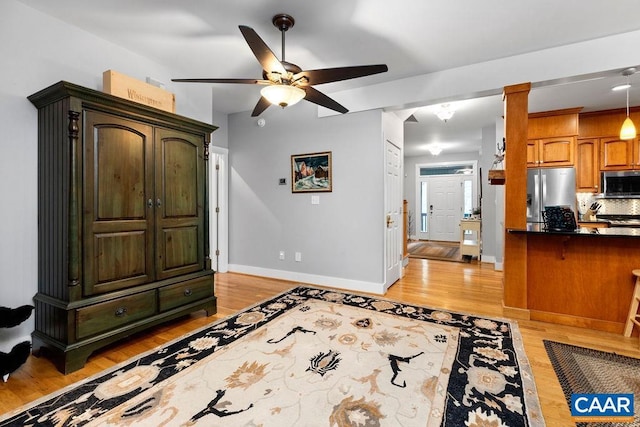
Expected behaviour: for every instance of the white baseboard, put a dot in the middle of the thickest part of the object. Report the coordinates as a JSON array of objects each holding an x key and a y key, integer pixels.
[
  {"x": 314, "y": 279},
  {"x": 488, "y": 258}
]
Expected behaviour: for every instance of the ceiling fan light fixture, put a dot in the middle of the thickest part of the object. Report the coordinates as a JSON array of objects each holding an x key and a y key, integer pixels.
[{"x": 282, "y": 95}]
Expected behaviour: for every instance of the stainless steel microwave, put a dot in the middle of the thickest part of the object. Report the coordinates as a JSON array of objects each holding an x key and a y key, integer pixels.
[{"x": 621, "y": 183}]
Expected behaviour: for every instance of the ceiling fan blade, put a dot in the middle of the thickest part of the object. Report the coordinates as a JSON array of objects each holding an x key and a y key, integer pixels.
[
  {"x": 262, "y": 105},
  {"x": 242, "y": 81},
  {"x": 328, "y": 75},
  {"x": 270, "y": 62},
  {"x": 317, "y": 97}
]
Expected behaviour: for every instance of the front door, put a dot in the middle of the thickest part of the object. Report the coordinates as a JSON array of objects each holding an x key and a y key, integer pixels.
[{"x": 445, "y": 208}]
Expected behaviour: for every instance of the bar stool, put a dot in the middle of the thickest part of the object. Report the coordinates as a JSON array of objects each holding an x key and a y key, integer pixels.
[{"x": 633, "y": 317}]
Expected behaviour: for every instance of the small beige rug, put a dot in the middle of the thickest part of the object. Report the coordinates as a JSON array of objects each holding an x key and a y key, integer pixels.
[{"x": 431, "y": 249}]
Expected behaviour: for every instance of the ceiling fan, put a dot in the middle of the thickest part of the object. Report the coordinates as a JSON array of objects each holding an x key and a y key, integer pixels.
[{"x": 285, "y": 82}]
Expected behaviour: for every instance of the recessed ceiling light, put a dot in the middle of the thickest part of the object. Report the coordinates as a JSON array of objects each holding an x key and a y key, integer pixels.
[{"x": 621, "y": 86}]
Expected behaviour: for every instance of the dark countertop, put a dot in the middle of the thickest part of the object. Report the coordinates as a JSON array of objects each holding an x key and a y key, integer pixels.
[{"x": 582, "y": 231}]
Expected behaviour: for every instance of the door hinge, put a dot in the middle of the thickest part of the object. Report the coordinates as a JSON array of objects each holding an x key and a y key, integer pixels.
[
  {"x": 217, "y": 209},
  {"x": 217, "y": 167},
  {"x": 217, "y": 252}
]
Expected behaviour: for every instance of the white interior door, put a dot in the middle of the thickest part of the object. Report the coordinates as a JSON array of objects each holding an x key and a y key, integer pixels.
[
  {"x": 218, "y": 209},
  {"x": 445, "y": 208},
  {"x": 393, "y": 214}
]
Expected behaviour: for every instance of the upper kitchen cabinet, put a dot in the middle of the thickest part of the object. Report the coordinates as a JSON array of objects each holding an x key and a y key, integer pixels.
[
  {"x": 618, "y": 154},
  {"x": 551, "y": 138},
  {"x": 614, "y": 153},
  {"x": 587, "y": 165}
]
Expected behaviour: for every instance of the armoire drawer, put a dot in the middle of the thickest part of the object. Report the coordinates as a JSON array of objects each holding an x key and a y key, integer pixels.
[
  {"x": 112, "y": 314},
  {"x": 185, "y": 292}
]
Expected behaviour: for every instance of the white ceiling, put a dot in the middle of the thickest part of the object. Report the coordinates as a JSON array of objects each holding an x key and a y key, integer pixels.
[{"x": 200, "y": 38}]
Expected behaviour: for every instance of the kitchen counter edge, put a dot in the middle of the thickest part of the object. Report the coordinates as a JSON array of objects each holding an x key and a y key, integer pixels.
[{"x": 581, "y": 231}]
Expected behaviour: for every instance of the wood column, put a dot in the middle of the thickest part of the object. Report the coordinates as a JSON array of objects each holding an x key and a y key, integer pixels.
[{"x": 516, "y": 111}]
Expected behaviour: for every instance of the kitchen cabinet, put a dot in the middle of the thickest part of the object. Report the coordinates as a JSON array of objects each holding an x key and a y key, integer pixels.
[
  {"x": 614, "y": 153},
  {"x": 618, "y": 154},
  {"x": 123, "y": 235},
  {"x": 551, "y": 152},
  {"x": 587, "y": 165},
  {"x": 570, "y": 275},
  {"x": 551, "y": 138}
]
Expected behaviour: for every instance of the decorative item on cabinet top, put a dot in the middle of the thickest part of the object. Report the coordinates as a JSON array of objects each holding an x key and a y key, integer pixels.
[
  {"x": 123, "y": 233},
  {"x": 118, "y": 84}
]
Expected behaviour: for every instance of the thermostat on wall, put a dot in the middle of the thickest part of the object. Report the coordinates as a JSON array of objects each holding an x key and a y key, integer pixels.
[{"x": 282, "y": 181}]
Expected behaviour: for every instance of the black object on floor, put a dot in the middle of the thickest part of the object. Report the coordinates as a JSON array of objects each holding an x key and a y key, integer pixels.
[
  {"x": 10, "y": 317},
  {"x": 11, "y": 361}
]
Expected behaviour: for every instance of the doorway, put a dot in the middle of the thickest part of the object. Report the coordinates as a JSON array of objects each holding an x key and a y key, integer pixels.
[
  {"x": 446, "y": 194},
  {"x": 218, "y": 208},
  {"x": 393, "y": 213}
]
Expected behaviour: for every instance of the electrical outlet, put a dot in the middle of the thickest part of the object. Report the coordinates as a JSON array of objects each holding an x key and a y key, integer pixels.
[
  {"x": 298, "y": 257},
  {"x": 281, "y": 255}
]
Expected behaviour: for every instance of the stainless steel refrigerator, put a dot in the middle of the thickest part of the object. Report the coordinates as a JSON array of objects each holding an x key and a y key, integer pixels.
[{"x": 549, "y": 187}]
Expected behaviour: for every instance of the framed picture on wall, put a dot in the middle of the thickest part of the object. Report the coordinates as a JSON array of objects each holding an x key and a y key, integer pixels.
[{"x": 311, "y": 172}]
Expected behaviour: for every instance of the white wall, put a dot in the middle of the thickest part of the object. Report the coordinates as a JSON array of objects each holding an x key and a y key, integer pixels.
[
  {"x": 38, "y": 51},
  {"x": 492, "y": 203},
  {"x": 342, "y": 238}
]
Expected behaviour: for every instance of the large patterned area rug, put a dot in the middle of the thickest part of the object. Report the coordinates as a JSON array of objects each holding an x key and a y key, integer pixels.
[
  {"x": 314, "y": 357},
  {"x": 584, "y": 370}
]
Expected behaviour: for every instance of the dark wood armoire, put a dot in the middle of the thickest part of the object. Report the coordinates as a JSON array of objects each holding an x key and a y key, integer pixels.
[{"x": 123, "y": 234}]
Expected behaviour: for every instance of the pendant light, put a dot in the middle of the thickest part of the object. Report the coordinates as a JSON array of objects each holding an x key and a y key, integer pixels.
[{"x": 628, "y": 129}]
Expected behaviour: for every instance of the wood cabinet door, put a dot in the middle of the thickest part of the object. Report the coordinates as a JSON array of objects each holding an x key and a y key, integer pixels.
[
  {"x": 587, "y": 165},
  {"x": 557, "y": 151},
  {"x": 180, "y": 196},
  {"x": 635, "y": 162},
  {"x": 118, "y": 223},
  {"x": 615, "y": 153},
  {"x": 532, "y": 153}
]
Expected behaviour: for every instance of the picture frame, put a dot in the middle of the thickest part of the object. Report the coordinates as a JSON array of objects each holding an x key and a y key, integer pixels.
[{"x": 311, "y": 173}]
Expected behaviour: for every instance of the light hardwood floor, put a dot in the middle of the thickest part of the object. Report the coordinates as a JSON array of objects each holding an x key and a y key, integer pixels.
[{"x": 472, "y": 288}]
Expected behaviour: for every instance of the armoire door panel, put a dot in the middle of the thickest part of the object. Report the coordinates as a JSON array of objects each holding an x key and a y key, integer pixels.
[
  {"x": 120, "y": 260},
  {"x": 118, "y": 220},
  {"x": 180, "y": 205},
  {"x": 180, "y": 248},
  {"x": 180, "y": 172},
  {"x": 120, "y": 174}
]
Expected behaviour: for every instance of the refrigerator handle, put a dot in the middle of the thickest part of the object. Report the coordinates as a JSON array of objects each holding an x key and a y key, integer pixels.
[
  {"x": 536, "y": 192},
  {"x": 543, "y": 176}
]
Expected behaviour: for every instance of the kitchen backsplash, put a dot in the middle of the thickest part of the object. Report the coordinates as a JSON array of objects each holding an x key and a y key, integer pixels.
[{"x": 608, "y": 206}]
